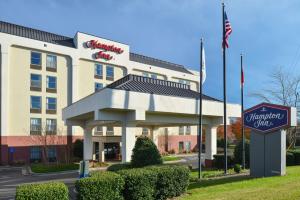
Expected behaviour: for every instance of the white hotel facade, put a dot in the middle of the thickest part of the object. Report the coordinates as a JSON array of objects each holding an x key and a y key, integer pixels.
[{"x": 50, "y": 85}]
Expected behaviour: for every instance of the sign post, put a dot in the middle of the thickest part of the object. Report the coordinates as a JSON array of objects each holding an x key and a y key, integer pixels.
[{"x": 268, "y": 137}]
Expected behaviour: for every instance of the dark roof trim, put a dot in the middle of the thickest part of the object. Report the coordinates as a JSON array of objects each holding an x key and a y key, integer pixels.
[
  {"x": 35, "y": 34},
  {"x": 156, "y": 86},
  {"x": 157, "y": 63}
]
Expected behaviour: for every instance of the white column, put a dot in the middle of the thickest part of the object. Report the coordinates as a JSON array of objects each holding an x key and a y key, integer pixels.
[
  {"x": 101, "y": 152},
  {"x": 154, "y": 132},
  {"x": 4, "y": 88},
  {"x": 210, "y": 142},
  {"x": 128, "y": 141},
  {"x": 87, "y": 144}
]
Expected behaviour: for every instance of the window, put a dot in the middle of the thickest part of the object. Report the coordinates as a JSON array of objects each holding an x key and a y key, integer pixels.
[
  {"x": 51, "y": 154},
  {"x": 36, "y": 58},
  {"x": 35, "y": 126},
  {"x": 35, "y": 102},
  {"x": 188, "y": 130},
  {"x": 51, "y": 126},
  {"x": 35, "y": 81},
  {"x": 188, "y": 146},
  {"x": 181, "y": 130},
  {"x": 154, "y": 76},
  {"x": 109, "y": 73},
  {"x": 98, "y": 86},
  {"x": 51, "y": 82},
  {"x": 186, "y": 82},
  {"x": 51, "y": 61},
  {"x": 51, "y": 103},
  {"x": 145, "y": 74},
  {"x": 35, "y": 154},
  {"x": 98, "y": 130},
  {"x": 145, "y": 131},
  {"x": 109, "y": 130},
  {"x": 98, "y": 71}
]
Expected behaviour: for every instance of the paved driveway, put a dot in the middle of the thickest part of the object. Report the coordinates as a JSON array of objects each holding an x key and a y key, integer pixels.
[{"x": 11, "y": 177}]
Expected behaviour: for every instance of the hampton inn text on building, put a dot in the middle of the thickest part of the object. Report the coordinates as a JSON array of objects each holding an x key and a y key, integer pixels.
[{"x": 42, "y": 73}]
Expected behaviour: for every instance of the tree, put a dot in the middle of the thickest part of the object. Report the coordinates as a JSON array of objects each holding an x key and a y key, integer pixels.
[
  {"x": 283, "y": 89},
  {"x": 236, "y": 128},
  {"x": 145, "y": 153}
]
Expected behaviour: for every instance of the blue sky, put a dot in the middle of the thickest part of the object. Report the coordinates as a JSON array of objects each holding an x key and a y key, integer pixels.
[{"x": 266, "y": 32}]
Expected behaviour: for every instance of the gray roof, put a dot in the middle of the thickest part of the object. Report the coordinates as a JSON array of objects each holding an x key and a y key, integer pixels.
[
  {"x": 156, "y": 86},
  {"x": 158, "y": 63},
  {"x": 35, "y": 34}
]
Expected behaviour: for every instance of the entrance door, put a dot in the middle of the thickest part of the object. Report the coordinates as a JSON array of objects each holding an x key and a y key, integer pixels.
[
  {"x": 181, "y": 147},
  {"x": 111, "y": 151}
]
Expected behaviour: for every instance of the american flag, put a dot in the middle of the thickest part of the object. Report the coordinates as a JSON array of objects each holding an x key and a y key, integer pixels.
[{"x": 228, "y": 31}]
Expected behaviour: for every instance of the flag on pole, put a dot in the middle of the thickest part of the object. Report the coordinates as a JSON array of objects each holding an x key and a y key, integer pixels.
[
  {"x": 228, "y": 31},
  {"x": 242, "y": 77},
  {"x": 203, "y": 66}
]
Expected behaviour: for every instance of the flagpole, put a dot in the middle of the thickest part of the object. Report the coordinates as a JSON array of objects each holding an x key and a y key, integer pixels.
[
  {"x": 224, "y": 92},
  {"x": 242, "y": 115},
  {"x": 200, "y": 112}
]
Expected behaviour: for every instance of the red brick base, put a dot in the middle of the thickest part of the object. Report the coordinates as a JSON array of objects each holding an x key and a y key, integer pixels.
[{"x": 21, "y": 147}]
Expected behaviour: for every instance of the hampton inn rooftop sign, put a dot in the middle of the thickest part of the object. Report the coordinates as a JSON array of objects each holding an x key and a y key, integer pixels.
[
  {"x": 267, "y": 117},
  {"x": 104, "y": 48}
]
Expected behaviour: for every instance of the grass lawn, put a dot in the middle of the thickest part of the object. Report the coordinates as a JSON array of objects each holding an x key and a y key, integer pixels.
[
  {"x": 210, "y": 173},
  {"x": 42, "y": 168},
  {"x": 170, "y": 158},
  {"x": 236, "y": 188}
]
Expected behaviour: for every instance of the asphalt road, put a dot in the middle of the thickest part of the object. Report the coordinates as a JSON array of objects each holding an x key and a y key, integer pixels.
[{"x": 11, "y": 177}]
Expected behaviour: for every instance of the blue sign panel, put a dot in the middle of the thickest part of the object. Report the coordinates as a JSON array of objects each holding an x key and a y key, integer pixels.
[{"x": 267, "y": 117}]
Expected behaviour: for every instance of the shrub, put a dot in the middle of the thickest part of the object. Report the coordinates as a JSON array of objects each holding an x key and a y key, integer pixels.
[
  {"x": 218, "y": 161},
  {"x": 101, "y": 185},
  {"x": 145, "y": 153},
  {"x": 117, "y": 167},
  {"x": 290, "y": 159},
  {"x": 78, "y": 149},
  {"x": 237, "y": 168},
  {"x": 238, "y": 153},
  {"x": 139, "y": 184},
  {"x": 172, "y": 181},
  {"x": 296, "y": 153},
  {"x": 43, "y": 191}
]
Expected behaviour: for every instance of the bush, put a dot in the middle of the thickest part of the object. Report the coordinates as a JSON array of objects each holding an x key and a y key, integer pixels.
[
  {"x": 42, "y": 168},
  {"x": 172, "y": 181},
  {"x": 145, "y": 153},
  {"x": 290, "y": 159},
  {"x": 139, "y": 184},
  {"x": 101, "y": 185},
  {"x": 78, "y": 149},
  {"x": 218, "y": 161},
  {"x": 43, "y": 191},
  {"x": 296, "y": 153},
  {"x": 237, "y": 168},
  {"x": 117, "y": 167},
  {"x": 238, "y": 153}
]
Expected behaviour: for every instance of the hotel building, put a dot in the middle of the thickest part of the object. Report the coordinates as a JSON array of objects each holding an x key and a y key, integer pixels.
[{"x": 42, "y": 73}]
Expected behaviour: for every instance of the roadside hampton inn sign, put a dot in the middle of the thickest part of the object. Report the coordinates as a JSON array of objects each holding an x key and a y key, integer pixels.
[
  {"x": 268, "y": 137},
  {"x": 267, "y": 117}
]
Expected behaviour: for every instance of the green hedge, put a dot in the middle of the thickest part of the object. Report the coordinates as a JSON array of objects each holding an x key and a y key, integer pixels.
[
  {"x": 43, "y": 191},
  {"x": 139, "y": 184},
  {"x": 218, "y": 161},
  {"x": 117, "y": 167},
  {"x": 290, "y": 159},
  {"x": 172, "y": 181},
  {"x": 101, "y": 186},
  {"x": 296, "y": 153}
]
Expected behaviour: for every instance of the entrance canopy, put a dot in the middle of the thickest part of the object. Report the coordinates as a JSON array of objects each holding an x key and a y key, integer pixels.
[{"x": 146, "y": 101}]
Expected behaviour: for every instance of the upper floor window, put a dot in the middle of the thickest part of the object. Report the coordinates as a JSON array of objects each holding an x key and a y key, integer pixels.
[
  {"x": 184, "y": 82},
  {"x": 181, "y": 130},
  {"x": 35, "y": 81},
  {"x": 188, "y": 130},
  {"x": 51, "y": 82},
  {"x": 145, "y": 74},
  {"x": 35, "y": 126},
  {"x": 154, "y": 76},
  {"x": 145, "y": 131},
  {"x": 51, "y": 61},
  {"x": 109, "y": 73},
  {"x": 51, "y": 103},
  {"x": 98, "y": 130},
  {"x": 98, "y": 86},
  {"x": 51, "y": 126},
  {"x": 98, "y": 71},
  {"x": 35, "y": 102},
  {"x": 109, "y": 130},
  {"x": 36, "y": 58}
]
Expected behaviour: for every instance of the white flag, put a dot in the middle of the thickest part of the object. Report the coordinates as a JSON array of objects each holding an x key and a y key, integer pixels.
[{"x": 203, "y": 66}]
